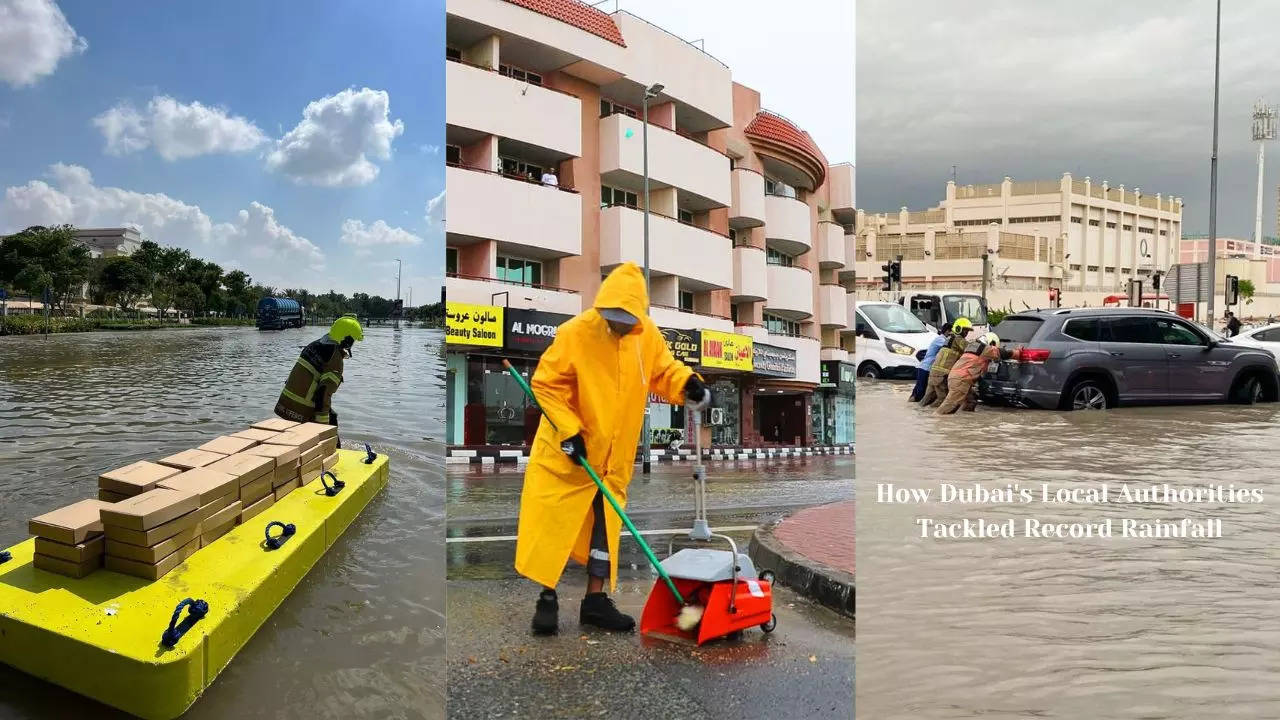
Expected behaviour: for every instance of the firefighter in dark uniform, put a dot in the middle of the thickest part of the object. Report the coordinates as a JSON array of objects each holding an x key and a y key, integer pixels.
[{"x": 315, "y": 377}]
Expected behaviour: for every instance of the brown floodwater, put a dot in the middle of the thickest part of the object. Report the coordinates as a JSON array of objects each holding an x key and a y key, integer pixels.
[
  {"x": 1077, "y": 627},
  {"x": 362, "y": 636}
]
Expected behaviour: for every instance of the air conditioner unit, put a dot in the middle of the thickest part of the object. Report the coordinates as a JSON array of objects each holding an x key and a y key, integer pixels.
[{"x": 717, "y": 416}]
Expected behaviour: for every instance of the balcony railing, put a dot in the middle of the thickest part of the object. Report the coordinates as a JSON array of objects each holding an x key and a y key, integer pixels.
[
  {"x": 681, "y": 133},
  {"x": 509, "y": 176},
  {"x": 515, "y": 283},
  {"x": 604, "y": 206},
  {"x": 689, "y": 312},
  {"x": 489, "y": 69}
]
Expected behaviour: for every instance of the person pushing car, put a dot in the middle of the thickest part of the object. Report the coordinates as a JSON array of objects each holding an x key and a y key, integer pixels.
[
  {"x": 964, "y": 375},
  {"x": 593, "y": 384},
  {"x": 947, "y": 354}
]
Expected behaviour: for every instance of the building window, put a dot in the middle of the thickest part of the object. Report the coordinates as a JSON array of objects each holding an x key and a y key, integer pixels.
[
  {"x": 686, "y": 301},
  {"x": 610, "y": 196},
  {"x": 684, "y": 216},
  {"x": 453, "y": 154},
  {"x": 1093, "y": 222},
  {"x": 520, "y": 74},
  {"x": 453, "y": 53},
  {"x": 776, "y": 187},
  {"x": 1164, "y": 232},
  {"x": 972, "y": 223},
  {"x": 1035, "y": 219},
  {"x": 781, "y": 326},
  {"x": 517, "y": 270},
  {"x": 1146, "y": 230},
  {"x": 1111, "y": 226},
  {"x": 521, "y": 169},
  {"x": 451, "y": 261},
  {"x": 609, "y": 107},
  {"x": 775, "y": 257},
  {"x": 1128, "y": 227},
  {"x": 733, "y": 314},
  {"x": 1074, "y": 219}
]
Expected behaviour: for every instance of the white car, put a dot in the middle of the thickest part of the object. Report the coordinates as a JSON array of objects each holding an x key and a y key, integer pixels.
[
  {"x": 891, "y": 340},
  {"x": 1266, "y": 337}
]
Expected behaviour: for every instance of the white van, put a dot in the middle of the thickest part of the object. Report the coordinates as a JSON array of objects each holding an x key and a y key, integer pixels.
[
  {"x": 940, "y": 308},
  {"x": 891, "y": 341}
]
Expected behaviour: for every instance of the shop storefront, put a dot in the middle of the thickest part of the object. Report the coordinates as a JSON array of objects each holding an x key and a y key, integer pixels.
[
  {"x": 778, "y": 402},
  {"x": 726, "y": 359},
  {"x": 833, "y": 407},
  {"x": 485, "y": 405}
]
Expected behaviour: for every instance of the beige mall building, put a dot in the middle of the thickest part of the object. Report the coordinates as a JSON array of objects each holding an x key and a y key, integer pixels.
[
  {"x": 750, "y": 226},
  {"x": 1084, "y": 237}
]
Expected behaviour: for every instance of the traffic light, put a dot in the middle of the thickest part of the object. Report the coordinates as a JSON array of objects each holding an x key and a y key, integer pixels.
[
  {"x": 1232, "y": 290},
  {"x": 888, "y": 277},
  {"x": 895, "y": 273},
  {"x": 1155, "y": 281}
]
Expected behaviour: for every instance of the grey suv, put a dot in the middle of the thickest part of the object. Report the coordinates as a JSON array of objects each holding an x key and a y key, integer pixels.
[{"x": 1096, "y": 358}]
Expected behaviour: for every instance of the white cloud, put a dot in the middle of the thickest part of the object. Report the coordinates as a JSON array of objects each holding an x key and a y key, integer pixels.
[
  {"x": 379, "y": 234},
  {"x": 435, "y": 209},
  {"x": 337, "y": 136},
  {"x": 34, "y": 37},
  {"x": 429, "y": 149},
  {"x": 254, "y": 240},
  {"x": 176, "y": 130}
]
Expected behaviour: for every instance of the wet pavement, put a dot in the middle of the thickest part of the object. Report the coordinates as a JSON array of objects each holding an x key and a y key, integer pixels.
[
  {"x": 1119, "y": 628},
  {"x": 498, "y": 669},
  {"x": 362, "y": 636}
]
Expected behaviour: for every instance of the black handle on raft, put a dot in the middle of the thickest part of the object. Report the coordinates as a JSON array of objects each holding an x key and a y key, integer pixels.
[
  {"x": 333, "y": 489},
  {"x": 175, "y": 631},
  {"x": 5, "y": 556},
  {"x": 371, "y": 456},
  {"x": 286, "y": 531}
]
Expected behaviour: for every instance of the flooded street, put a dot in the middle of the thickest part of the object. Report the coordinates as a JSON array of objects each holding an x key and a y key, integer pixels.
[
  {"x": 362, "y": 636},
  {"x": 1067, "y": 628},
  {"x": 497, "y": 668}
]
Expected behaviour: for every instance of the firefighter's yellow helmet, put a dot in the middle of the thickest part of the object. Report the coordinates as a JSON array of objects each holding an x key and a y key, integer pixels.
[
  {"x": 345, "y": 327},
  {"x": 961, "y": 324}
]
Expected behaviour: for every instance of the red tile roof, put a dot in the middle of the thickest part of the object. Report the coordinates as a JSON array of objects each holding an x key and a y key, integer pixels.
[
  {"x": 577, "y": 14},
  {"x": 768, "y": 127}
]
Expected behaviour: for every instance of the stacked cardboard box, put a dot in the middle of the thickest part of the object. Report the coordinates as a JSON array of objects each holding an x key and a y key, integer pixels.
[
  {"x": 309, "y": 439},
  {"x": 69, "y": 540},
  {"x": 218, "y": 494},
  {"x": 256, "y": 435},
  {"x": 274, "y": 424},
  {"x": 228, "y": 445},
  {"x": 130, "y": 480},
  {"x": 253, "y": 475},
  {"x": 191, "y": 459},
  {"x": 285, "y": 475},
  {"x": 152, "y": 533}
]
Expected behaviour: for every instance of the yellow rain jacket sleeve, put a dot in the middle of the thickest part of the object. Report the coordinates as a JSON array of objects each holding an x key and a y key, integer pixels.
[{"x": 590, "y": 381}]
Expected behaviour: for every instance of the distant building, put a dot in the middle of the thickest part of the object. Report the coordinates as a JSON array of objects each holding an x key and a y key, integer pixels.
[{"x": 108, "y": 242}]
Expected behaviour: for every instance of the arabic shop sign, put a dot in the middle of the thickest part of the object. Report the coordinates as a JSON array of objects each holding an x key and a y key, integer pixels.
[
  {"x": 774, "y": 361},
  {"x": 473, "y": 325},
  {"x": 531, "y": 330},
  {"x": 685, "y": 345},
  {"x": 726, "y": 351}
]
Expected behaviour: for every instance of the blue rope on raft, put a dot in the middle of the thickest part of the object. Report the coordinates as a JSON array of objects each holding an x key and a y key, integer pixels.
[
  {"x": 5, "y": 556},
  {"x": 333, "y": 489},
  {"x": 175, "y": 631},
  {"x": 275, "y": 541}
]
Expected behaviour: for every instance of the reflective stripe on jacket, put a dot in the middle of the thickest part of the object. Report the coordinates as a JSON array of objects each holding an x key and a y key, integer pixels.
[
  {"x": 315, "y": 377},
  {"x": 947, "y": 356}
]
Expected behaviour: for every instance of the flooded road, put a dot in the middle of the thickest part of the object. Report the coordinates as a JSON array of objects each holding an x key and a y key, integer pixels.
[
  {"x": 1067, "y": 628},
  {"x": 362, "y": 636},
  {"x": 497, "y": 668}
]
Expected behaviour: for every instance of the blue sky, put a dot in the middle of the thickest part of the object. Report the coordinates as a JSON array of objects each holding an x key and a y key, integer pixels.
[{"x": 299, "y": 141}]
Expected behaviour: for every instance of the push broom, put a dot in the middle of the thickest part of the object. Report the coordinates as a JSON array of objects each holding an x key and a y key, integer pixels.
[{"x": 690, "y": 614}]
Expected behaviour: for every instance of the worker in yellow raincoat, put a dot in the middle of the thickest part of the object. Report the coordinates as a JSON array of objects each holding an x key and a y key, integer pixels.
[{"x": 593, "y": 383}]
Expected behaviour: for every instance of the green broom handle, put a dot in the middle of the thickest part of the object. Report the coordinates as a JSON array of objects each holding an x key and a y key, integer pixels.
[{"x": 604, "y": 490}]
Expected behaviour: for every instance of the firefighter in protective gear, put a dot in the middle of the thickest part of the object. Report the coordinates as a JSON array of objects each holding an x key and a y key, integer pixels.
[
  {"x": 962, "y": 381},
  {"x": 593, "y": 384},
  {"x": 952, "y": 349},
  {"x": 315, "y": 377}
]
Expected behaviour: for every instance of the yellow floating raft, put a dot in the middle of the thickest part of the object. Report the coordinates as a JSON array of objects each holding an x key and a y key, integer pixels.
[{"x": 100, "y": 636}]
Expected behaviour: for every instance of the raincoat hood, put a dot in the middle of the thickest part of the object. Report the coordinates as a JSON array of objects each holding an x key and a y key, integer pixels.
[{"x": 624, "y": 288}]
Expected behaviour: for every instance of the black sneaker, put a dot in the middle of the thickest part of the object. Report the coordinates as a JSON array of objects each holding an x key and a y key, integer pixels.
[
  {"x": 598, "y": 610},
  {"x": 546, "y": 616}
]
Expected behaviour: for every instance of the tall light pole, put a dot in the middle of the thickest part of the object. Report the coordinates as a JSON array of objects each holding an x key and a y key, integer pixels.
[
  {"x": 649, "y": 93},
  {"x": 398, "y": 267},
  {"x": 1264, "y": 129},
  {"x": 1213, "y": 166}
]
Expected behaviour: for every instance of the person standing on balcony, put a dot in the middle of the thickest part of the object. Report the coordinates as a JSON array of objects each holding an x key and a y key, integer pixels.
[
  {"x": 549, "y": 178},
  {"x": 593, "y": 384}
]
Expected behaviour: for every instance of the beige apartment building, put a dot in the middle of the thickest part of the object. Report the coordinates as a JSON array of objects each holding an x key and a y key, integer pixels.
[
  {"x": 1084, "y": 237},
  {"x": 749, "y": 223}
]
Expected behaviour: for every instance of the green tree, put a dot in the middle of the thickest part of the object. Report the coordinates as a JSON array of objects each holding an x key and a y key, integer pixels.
[
  {"x": 189, "y": 297},
  {"x": 168, "y": 277},
  {"x": 1246, "y": 289},
  {"x": 237, "y": 284},
  {"x": 45, "y": 257},
  {"x": 124, "y": 280}
]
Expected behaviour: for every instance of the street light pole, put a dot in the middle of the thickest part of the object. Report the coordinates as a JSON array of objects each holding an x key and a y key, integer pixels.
[
  {"x": 649, "y": 93},
  {"x": 1213, "y": 167}
]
